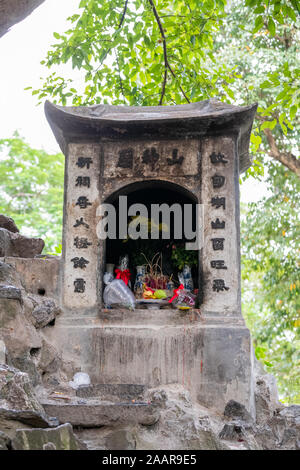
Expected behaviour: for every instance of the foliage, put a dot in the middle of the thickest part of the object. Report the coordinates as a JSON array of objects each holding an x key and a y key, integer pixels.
[
  {"x": 180, "y": 256},
  {"x": 149, "y": 52},
  {"x": 268, "y": 72},
  {"x": 31, "y": 190},
  {"x": 130, "y": 52},
  {"x": 57, "y": 250},
  {"x": 271, "y": 275}
]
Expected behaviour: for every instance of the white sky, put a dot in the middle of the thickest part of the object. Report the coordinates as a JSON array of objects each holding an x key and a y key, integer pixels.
[{"x": 21, "y": 51}]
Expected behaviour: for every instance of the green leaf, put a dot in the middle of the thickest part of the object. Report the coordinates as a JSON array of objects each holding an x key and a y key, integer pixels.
[
  {"x": 259, "y": 22},
  {"x": 266, "y": 84},
  {"x": 271, "y": 26},
  {"x": 267, "y": 363},
  {"x": 268, "y": 125}
]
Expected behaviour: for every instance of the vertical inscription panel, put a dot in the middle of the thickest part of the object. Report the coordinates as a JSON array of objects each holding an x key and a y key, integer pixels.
[
  {"x": 80, "y": 238},
  {"x": 221, "y": 271}
]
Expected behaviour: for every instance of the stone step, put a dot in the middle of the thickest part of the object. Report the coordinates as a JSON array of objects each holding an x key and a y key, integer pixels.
[
  {"x": 138, "y": 317},
  {"x": 113, "y": 392},
  {"x": 95, "y": 414}
]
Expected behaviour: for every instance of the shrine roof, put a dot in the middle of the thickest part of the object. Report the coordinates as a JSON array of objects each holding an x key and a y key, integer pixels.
[{"x": 204, "y": 118}]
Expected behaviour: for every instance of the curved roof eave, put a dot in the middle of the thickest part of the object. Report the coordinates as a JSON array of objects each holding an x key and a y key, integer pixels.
[{"x": 115, "y": 122}]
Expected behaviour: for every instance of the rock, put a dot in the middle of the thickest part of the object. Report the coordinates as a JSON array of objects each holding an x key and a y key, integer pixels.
[
  {"x": 20, "y": 337},
  {"x": 8, "y": 274},
  {"x": 159, "y": 397},
  {"x": 122, "y": 439},
  {"x": 281, "y": 431},
  {"x": 26, "y": 349},
  {"x": 60, "y": 438},
  {"x": 266, "y": 397},
  {"x": 289, "y": 435},
  {"x": 4, "y": 441},
  {"x": 6, "y": 248},
  {"x": 15, "y": 244},
  {"x": 18, "y": 401},
  {"x": 16, "y": 392},
  {"x": 232, "y": 432},
  {"x": 44, "y": 312},
  {"x": 29, "y": 417},
  {"x": 183, "y": 425},
  {"x": 291, "y": 414},
  {"x": 8, "y": 223},
  {"x": 49, "y": 360},
  {"x": 26, "y": 247},
  {"x": 25, "y": 363},
  {"x": 2, "y": 352},
  {"x": 49, "y": 446},
  {"x": 13, "y": 11},
  {"x": 9, "y": 310},
  {"x": 10, "y": 292},
  {"x": 265, "y": 436},
  {"x": 235, "y": 410}
]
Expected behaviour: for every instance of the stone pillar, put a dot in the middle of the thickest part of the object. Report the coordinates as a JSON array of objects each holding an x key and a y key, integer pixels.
[
  {"x": 221, "y": 250},
  {"x": 226, "y": 342},
  {"x": 79, "y": 289}
]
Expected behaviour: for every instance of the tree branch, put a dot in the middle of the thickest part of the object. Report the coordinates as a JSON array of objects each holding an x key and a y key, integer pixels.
[
  {"x": 120, "y": 78},
  {"x": 287, "y": 159},
  {"x": 167, "y": 64},
  {"x": 119, "y": 27},
  {"x": 123, "y": 14}
]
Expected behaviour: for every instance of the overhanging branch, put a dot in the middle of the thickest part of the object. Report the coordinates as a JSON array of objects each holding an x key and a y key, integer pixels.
[
  {"x": 287, "y": 159},
  {"x": 166, "y": 60}
]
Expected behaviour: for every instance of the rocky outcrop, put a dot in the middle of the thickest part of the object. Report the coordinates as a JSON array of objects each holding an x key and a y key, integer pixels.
[
  {"x": 276, "y": 426},
  {"x": 266, "y": 398},
  {"x": 59, "y": 438},
  {"x": 18, "y": 401},
  {"x": 182, "y": 425},
  {"x": 22, "y": 319},
  {"x": 7, "y": 222},
  {"x": 13, "y": 11},
  {"x": 24, "y": 425},
  {"x": 15, "y": 244},
  {"x": 10, "y": 292},
  {"x": 44, "y": 312},
  {"x": 185, "y": 425},
  {"x": 235, "y": 410},
  {"x": 5, "y": 443},
  {"x": 16, "y": 392}
]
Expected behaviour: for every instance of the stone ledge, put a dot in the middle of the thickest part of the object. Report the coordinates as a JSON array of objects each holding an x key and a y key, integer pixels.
[
  {"x": 120, "y": 392},
  {"x": 103, "y": 414},
  {"x": 29, "y": 417}
]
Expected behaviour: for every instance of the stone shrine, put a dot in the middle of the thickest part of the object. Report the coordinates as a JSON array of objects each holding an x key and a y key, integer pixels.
[{"x": 187, "y": 153}]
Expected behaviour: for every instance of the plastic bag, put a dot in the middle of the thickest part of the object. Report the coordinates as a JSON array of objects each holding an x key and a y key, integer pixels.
[
  {"x": 116, "y": 292},
  {"x": 182, "y": 297},
  {"x": 80, "y": 378},
  {"x": 107, "y": 278}
]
